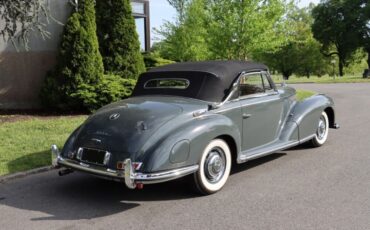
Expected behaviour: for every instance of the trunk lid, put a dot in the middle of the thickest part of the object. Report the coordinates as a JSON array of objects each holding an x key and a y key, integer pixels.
[{"x": 123, "y": 127}]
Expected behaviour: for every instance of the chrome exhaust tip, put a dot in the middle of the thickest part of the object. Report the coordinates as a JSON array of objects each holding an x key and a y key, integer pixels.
[
  {"x": 65, "y": 172},
  {"x": 336, "y": 126}
]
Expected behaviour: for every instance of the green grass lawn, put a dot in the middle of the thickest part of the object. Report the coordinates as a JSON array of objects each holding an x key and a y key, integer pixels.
[
  {"x": 25, "y": 144},
  {"x": 324, "y": 79},
  {"x": 303, "y": 94}
]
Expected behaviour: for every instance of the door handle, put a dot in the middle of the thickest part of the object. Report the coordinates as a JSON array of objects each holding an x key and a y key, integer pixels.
[{"x": 245, "y": 116}]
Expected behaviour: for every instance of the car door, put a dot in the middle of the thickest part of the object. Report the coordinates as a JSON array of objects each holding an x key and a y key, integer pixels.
[{"x": 261, "y": 108}]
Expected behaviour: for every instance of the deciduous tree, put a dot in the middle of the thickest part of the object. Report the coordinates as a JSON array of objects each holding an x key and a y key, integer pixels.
[
  {"x": 239, "y": 29},
  {"x": 361, "y": 23},
  {"x": 334, "y": 26},
  {"x": 186, "y": 38},
  {"x": 301, "y": 53},
  {"x": 19, "y": 18}
]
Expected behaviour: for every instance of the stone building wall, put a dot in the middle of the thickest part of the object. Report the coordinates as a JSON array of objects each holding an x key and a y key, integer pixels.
[{"x": 22, "y": 72}]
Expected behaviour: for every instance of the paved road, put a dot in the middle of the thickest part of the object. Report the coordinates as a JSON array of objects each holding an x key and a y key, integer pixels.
[{"x": 324, "y": 188}]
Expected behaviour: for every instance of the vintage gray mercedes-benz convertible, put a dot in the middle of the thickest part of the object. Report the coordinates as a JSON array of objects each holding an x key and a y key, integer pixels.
[{"x": 194, "y": 118}]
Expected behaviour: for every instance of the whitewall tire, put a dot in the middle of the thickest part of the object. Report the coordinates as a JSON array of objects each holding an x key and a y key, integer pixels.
[
  {"x": 322, "y": 130},
  {"x": 214, "y": 167}
]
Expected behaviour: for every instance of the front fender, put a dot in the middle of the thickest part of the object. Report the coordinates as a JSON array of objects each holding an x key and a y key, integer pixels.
[
  {"x": 175, "y": 146},
  {"x": 307, "y": 113}
]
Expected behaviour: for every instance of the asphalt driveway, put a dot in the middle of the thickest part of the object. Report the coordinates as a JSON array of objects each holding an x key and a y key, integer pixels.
[{"x": 301, "y": 188}]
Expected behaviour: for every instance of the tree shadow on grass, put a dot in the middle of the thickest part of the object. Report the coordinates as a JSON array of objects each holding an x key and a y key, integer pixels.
[{"x": 30, "y": 161}]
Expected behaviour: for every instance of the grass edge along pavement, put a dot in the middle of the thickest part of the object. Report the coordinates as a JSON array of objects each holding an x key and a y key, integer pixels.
[
  {"x": 26, "y": 143},
  {"x": 321, "y": 80}
]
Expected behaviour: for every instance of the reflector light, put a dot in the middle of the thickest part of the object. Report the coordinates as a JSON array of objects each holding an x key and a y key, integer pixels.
[
  {"x": 139, "y": 186},
  {"x": 120, "y": 165}
]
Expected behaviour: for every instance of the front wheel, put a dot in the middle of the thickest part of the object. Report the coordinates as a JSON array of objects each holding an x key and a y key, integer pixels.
[
  {"x": 322, "y": 131},
  {"x": 214, "y": 167}
]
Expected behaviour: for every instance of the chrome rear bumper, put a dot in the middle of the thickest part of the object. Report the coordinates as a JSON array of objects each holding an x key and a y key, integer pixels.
[{"x": 128, "y": 175}]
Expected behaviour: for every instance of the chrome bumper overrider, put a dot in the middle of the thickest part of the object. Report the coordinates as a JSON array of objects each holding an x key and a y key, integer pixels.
[{"x": 128, "y": 175}]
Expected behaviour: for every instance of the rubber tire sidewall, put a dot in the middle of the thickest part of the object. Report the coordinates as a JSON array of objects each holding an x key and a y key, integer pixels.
[
  {"x": 316, "y": 142},
  {"x": 201, "y": 182}
]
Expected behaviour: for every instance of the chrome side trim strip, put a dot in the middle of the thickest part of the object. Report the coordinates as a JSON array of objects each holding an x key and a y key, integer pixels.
[
  {"x": 166, "y": 175},
  {"x": 265, "y": 153},
  {"x": 241, "y": 106},
  {"x": 307, "y": 138}
]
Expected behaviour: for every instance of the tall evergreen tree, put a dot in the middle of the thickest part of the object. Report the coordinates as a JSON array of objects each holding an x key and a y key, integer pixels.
[
  {"x": 119, "y": 43},
  {"x": 74, "y": 82}
]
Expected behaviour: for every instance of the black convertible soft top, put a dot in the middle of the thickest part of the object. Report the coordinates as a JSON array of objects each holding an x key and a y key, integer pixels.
[{"x": 209, "y": 81}]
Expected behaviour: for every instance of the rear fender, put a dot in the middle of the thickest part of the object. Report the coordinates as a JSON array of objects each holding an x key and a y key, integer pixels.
[
  {"x": 183, "y": 145},
  {"x": 306, "y": 114}
]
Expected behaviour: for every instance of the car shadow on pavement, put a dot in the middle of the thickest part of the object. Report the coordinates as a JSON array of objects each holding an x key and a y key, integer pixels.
[
  {"x": 304, "y": 146},
  {"x": 79, "y": 196}
]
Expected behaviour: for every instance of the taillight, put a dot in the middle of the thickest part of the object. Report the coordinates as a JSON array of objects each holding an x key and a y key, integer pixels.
[
  {"x": 136, "y": 165},
  {"x": 120, "y": 165}
]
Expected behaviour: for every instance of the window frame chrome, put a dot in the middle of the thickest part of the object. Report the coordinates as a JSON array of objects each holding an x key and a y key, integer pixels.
[
  {"x": 236, "y": 85},
  {"x": 168, "y": 79},
  {"x": 269, "y": 92}
]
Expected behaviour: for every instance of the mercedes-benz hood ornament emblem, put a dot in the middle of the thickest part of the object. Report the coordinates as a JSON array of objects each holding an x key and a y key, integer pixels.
[{"x": 114, "y": 116}]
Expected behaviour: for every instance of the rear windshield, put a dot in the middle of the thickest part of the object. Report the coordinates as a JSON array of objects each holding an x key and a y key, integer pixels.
[
  {"x": 192, "y": 84},
  {"x": 174, "y": 83}
]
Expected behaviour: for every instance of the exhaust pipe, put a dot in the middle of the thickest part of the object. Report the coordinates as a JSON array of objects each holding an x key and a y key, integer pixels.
[{"x": 65, "y": 172}]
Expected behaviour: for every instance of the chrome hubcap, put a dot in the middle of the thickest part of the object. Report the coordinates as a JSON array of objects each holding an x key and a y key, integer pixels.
[
  {"x": 215, "y": 165},
  {"x": 321, "y": 130}
]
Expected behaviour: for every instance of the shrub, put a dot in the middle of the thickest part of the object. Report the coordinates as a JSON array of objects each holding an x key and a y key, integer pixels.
[
  {"x": 74, "y": 82},
  {"x": 153, "y": 60},
  {"x": 114, "y": 88},
  {"x": 119, "y": 43}
]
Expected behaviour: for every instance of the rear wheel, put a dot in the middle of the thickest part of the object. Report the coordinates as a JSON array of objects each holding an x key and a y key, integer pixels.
[
  {"x": 322, "y": 131},
  {"x": 214, "y": 167}
]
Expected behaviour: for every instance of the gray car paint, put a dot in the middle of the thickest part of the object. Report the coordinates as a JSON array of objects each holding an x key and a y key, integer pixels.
[{"x": 278, "y": 122}]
